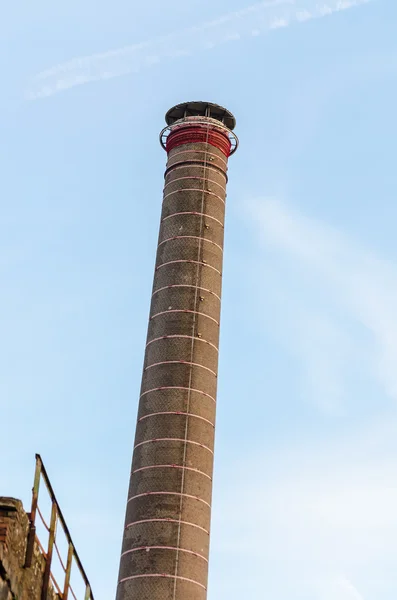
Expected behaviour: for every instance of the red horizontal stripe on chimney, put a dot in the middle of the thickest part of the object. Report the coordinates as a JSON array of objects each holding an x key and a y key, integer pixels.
[{"x": 193, "y": 134}]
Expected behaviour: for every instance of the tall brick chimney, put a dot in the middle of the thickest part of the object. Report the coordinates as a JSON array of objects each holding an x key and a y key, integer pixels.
[{"x": 167, "y": 528}]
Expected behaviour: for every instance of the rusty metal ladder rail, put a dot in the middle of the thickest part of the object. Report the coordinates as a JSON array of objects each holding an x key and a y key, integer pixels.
[{"x": 56, "y": 517}]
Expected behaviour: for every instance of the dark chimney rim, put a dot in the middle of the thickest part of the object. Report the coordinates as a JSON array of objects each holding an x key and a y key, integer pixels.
[{"x": 201, "y": 109}]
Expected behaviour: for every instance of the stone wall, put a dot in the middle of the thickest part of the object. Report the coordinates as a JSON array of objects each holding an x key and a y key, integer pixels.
[{"x": 16, "y": 581}]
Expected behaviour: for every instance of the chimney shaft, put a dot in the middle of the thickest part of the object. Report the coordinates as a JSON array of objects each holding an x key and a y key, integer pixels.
[{"x": 167, "y": 528}]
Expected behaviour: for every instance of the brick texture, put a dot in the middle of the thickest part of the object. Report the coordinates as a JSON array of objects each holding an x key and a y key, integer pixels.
[{"x": 165, "y": 549}]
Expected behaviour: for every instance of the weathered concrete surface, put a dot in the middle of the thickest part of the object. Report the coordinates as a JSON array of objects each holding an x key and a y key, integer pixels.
[{"x": 16, "y": 582}]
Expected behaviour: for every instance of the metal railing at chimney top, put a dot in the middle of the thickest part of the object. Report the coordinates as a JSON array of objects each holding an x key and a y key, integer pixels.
[{"x": 63, "y": 588}]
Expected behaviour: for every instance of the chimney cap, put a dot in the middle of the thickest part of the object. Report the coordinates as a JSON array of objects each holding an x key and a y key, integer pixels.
[{"x": 201, "y": 109}]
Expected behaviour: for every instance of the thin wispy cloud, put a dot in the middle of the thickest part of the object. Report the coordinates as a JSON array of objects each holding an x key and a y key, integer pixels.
[
  {"x": 255, "y": 20},
  {"x": 347, "y": 586},
  {"x": 321, "y": 517},
  {"x": 334, "y": 305}
]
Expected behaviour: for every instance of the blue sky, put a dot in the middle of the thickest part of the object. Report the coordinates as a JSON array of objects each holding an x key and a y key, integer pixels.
[{"x": 306, "y": 458}]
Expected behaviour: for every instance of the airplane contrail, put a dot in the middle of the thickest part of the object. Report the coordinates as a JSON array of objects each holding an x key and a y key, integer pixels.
[{"x": 254, "y": 20}]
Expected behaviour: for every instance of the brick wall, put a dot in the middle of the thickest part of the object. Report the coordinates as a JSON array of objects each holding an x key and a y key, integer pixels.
[{"x": 17, "y": 582}]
